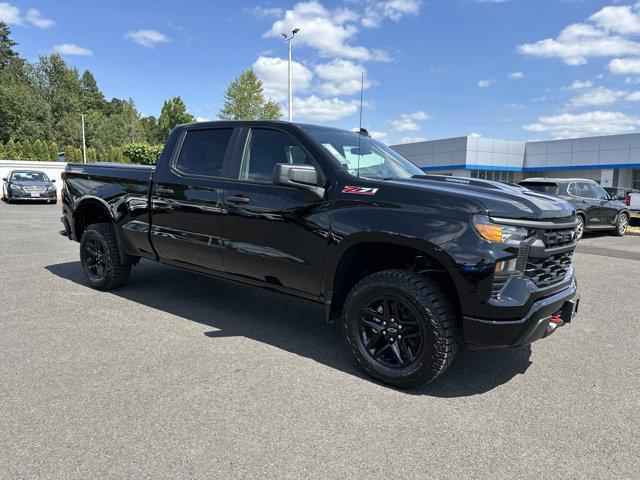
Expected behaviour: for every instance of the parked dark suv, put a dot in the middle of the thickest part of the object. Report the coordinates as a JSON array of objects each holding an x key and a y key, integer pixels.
[{"x": 596, "y": 209}]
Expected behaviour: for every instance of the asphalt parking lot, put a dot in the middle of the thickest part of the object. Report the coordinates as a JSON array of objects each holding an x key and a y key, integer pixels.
[{"x": 179, "y": 375}]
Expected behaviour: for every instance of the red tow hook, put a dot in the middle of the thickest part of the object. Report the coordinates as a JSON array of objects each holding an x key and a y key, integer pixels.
[{"x": 556, "y": 319}]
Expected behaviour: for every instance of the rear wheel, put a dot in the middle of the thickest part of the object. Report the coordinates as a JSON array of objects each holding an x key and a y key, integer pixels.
[
  {"x": 100, "y": 257},
  {"x": 622, "y": 225},
  {"x": 401, "y": 328}
]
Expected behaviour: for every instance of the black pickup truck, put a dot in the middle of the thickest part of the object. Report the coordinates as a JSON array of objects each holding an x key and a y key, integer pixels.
[{"x": 413, "y": 265}]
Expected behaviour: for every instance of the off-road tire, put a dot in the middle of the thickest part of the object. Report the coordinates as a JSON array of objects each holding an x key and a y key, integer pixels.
[
  {"x": 116, "y": 273},
  {"x": 437, "y": 313}
]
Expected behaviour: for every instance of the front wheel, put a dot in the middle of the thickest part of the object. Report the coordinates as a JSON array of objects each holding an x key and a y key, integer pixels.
[
  {"x": 100, "y": 257},
  {"x": 401, "y": 328},
  {"x": 622, "y": 225},
  {"x": 580, "y": 227}
]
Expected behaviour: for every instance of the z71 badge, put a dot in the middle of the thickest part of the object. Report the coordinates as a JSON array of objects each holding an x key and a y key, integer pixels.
[{"x": 359, "y": 190}]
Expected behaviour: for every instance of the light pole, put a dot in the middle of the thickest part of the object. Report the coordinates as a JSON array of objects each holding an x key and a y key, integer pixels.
[
  {"x": 84, "y": 143},
  {"x": 288, "y": 40}
]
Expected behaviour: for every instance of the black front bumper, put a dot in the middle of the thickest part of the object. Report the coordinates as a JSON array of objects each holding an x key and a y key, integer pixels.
[{"x": 542, "y": 319}]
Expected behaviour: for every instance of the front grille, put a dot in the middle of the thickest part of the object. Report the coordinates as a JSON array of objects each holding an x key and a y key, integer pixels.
[
  {"x": 33, "y": 188},
  {"x": 557, "y": 238},
  {"x": 546, "y": 271}
]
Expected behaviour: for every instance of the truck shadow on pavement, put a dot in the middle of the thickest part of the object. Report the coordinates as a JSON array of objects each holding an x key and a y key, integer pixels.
[{"x": 291, "y": 324}]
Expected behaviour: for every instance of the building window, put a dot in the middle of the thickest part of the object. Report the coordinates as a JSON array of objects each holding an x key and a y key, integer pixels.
[
  {"x": 497, "y": 175},
  {"x": 636, "y": 178}
]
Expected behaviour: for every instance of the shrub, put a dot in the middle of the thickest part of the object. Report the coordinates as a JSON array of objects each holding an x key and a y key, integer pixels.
[{"x": 142, "y": 153}]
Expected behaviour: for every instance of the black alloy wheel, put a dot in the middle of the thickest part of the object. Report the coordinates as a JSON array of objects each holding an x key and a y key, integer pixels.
[
  {"x": 95, "y": 258},
  {"x": 391, "y": 333}
]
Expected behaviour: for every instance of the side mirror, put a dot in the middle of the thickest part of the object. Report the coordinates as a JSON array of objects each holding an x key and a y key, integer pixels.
[
  {"x": 4, "y": 179},
  {"x": 304, "y": 177},
  {"x": 53, "y": 180}
]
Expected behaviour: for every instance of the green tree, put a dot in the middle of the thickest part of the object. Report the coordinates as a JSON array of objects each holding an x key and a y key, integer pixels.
[
  {"x": 150, "y": 131},
  {"x": 27, "y": 150},
  {"x": 24, "y": 111},
  {"x": 18, "y": 152},
  {"x": 12, "y": 151},
  {"x": 6, "y": 46},
  {"x": 93, "y": 97},
  {"x": 3, "y": 151},
  {"x": 40, "y": 150},
  {"x": 53, "y": 152},
  {"x": 245, "y": 100},
  {"x": 174, "y": 112}
]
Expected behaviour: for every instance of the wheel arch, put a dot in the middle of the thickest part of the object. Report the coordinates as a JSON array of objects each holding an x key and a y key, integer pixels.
[
  {"x": 364, "y": 254},
  {"x": 90, "y": 210}
]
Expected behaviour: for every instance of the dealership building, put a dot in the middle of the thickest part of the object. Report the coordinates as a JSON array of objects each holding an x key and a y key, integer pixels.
[{"x": 612, "y": 160}]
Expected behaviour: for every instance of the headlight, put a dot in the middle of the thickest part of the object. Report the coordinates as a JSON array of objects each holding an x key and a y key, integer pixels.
[
  {"x": 17, "y": 188},
  {"x": 497, "y": 233},
  {"x": 51, "y": 188}
]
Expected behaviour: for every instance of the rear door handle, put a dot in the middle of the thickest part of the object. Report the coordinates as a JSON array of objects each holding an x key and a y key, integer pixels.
[
  {"x": 238, "y": 199},
  {"x": 164, "y": 191}
]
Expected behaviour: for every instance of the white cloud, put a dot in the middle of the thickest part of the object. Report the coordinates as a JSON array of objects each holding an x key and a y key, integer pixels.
[
  {"x": 624, "y": 66},
  {"x": 579, "y": 85},
  {"x": 475, "y": 134},
  {"x": 323, "y": 110},
  {"x": 632, "y": 81},
  {"x": 341, "y": 77},
  {"x": 10, "y": 14},
  {"x": 202, "y": 119},
  {"x": 35, "y": 18},
  {"x": 413, "y": 139},
  {"x": 407, "y": 122},
  {"x": 265, "y": 12},
  {"x": 634, "y": 97},
  {"x": 71, "y": 49},
  {"x": 514, "y": 105},
  {"x": 147, "y": 38},
  {"x": 330, "y": 32},
  {"x": 382, "y": 136},
  {"x": 487, "y": 82},
  {"x": 273, "y": 72},
  {"x": 595, "y": 123},
  {"x": 620, "y": 19},
  {"x": 376, "y": 11},
  {"x": 596, "y": 97},
  {"x": 579, "y": 41},
  {"x": 516, "y": 75}
]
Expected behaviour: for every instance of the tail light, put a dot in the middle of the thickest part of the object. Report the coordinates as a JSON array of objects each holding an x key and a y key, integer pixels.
[
  {"x": 63, "y": 176},
  {"x": 628, "y": 201}
]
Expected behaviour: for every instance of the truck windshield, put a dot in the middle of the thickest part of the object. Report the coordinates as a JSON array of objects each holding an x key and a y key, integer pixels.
[{"x": 362, "y": 156}]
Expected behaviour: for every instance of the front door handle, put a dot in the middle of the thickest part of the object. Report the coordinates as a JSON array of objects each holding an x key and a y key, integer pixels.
[
  {"x": 238, "y": 199},
  {"x": 161, "y": 192}
]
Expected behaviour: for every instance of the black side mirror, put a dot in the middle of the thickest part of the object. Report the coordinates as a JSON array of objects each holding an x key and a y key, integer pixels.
[
  {"x": 53, "y": 180},
  {"x": 304, "y": 177},
  {"x": 4, "y": 179}
]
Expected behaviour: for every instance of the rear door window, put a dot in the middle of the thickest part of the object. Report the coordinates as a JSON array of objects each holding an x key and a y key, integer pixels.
[{"x": 203, "y": 152}]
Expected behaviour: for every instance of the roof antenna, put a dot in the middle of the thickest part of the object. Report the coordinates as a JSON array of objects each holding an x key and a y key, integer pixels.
[{"x": 361, "y": 131}]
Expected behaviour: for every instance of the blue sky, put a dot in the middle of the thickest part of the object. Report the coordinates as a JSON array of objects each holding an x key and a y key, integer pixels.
[{"x": 513, "y": 69}]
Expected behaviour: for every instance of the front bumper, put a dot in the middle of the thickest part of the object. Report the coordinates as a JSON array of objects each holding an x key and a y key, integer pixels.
[
  {"x": 16, "y": 195},
  {"x": 542, "y": 319}
]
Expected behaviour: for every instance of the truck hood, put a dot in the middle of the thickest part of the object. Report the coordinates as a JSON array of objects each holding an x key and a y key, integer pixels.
[{"x": 500, "y": 199}]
